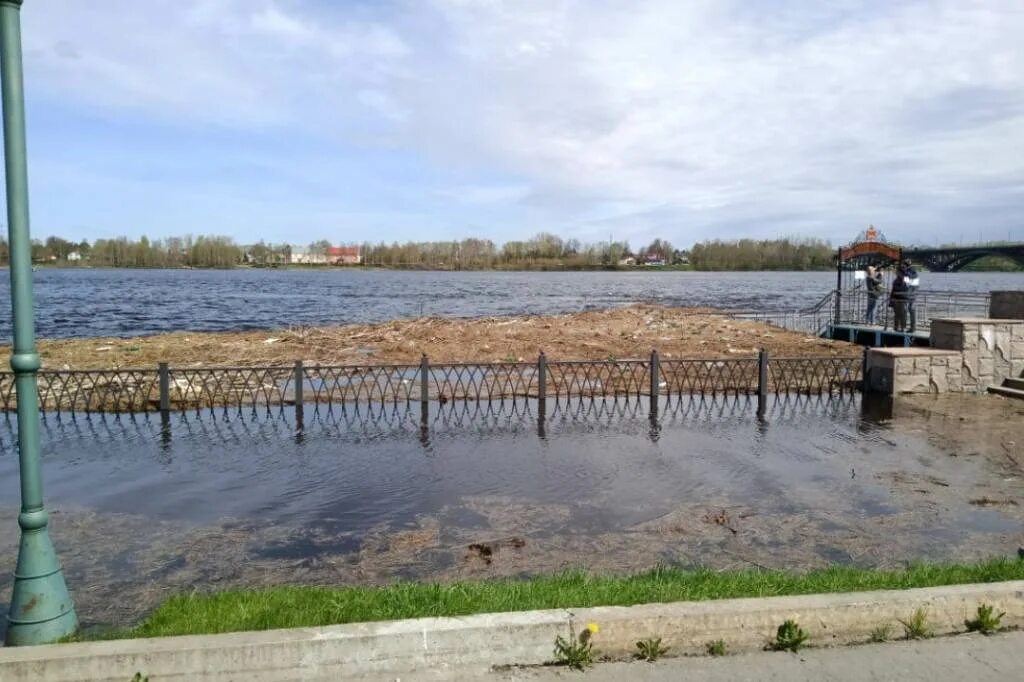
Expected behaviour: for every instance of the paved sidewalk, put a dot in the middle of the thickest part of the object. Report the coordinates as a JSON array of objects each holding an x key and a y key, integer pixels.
[{"x": 964, "y": 657}]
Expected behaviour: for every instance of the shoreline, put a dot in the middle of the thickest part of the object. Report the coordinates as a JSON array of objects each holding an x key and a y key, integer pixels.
[
  {"x": 612, "y": 333},
  {"x": 539, "y": 268}
]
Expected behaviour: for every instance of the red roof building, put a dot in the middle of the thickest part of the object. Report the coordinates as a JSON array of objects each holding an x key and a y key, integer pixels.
[{"x": 344, "y": 255}]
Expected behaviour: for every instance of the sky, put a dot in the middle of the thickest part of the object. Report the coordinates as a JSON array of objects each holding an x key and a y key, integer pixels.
[{"x": 367, "y": 120}]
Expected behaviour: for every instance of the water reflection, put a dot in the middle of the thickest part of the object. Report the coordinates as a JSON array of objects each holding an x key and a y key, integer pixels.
[
  {"x": 399, "y": 420},
  {"x": 144, "y": 505}
]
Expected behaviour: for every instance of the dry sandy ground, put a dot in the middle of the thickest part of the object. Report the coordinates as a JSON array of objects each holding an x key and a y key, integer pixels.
[{"x": 630, "y": 332}]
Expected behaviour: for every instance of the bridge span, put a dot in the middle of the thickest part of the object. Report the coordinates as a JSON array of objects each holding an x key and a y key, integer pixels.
[{"x": 954, "y": 258}]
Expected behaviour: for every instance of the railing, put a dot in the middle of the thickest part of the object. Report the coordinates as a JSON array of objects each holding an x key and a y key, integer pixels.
[
  {"x": 813, "y": 320},
  {"x": 927, "y": 305},
  {"x": 165, "y": 388},
  {"x": 853, "y": 305}
]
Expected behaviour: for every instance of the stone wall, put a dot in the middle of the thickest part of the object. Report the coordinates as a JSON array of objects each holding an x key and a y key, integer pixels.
[
  {"x": 1007, "y": 305},
  {"x": 914, "y": 370},
  {"x": 991, "y": 349}
]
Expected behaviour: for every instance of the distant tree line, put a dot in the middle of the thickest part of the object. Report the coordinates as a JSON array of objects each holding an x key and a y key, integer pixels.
[
  {"x": 766, "y": 254},
  {"x": 543, "y": 251},
  {"x": 198, "y": 252}
]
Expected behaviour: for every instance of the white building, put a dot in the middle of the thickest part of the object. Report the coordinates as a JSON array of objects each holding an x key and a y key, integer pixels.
[{"x": 301, "y": 255}]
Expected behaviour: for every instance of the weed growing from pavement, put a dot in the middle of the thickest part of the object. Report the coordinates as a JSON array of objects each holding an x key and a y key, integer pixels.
[
  {"x": 789, "y": 637},
  {"x": 650, "y": 649},
  {"x": 881, "y": 634},
  {"x": 717, "y": 648},
  {"x": 916, "y": 627},
  {"x": 577, "y": 651},
  {"x": 987, "y": 621}
]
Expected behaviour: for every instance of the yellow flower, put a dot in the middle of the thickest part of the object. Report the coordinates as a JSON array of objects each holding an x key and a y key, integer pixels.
[{"x": 593, "y": 628}]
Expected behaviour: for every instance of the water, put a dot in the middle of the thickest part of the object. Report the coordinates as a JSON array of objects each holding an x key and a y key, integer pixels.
[
  {"x": 145, "y": 506},
  {"x": 84, "y": 302},
  {"x": 349, "y": 472}
]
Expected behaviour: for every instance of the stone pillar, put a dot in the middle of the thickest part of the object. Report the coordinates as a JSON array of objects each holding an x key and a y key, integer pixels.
[
  {"x": 992, "y": 349},
  {"x": 914, "y": 370},
  {"x": 1006, "y": 305}
]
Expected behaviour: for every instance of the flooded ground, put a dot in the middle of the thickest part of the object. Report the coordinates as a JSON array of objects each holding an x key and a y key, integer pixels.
[{"x": 145, "y": 507}]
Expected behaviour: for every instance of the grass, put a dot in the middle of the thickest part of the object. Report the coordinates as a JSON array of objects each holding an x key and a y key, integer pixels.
[
  {"x": 916, "y": 627},
  {"x": 987, "y": 621},
  {"x": 576, "y": 652},
  {"x": 286, "y": 607},
  {"x": 789, "y": 637},
  {"x": 650, "y": 649},
  {"x": 717, "y": 648},
  {"x": 882, "y": 633}
]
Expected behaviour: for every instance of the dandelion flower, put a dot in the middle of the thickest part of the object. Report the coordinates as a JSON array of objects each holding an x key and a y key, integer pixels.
[{"x": 593, "y": 628}]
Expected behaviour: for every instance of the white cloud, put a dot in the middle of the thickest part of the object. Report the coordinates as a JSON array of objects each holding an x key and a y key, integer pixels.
[{"x": 702, "y": 117}]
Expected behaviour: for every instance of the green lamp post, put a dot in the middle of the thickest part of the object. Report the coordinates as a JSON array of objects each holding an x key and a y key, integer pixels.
[{"x": 41, "y": 609}]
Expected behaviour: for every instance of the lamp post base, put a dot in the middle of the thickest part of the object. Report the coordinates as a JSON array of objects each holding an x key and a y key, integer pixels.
[{"x": 41, "y": 609}]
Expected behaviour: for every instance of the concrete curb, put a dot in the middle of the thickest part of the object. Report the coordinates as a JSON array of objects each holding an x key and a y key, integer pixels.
[{"x": 477, "y": 643}]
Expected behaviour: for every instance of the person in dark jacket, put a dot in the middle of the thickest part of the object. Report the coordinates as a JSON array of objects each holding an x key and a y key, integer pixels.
[
  {"x": 874, "y": 285},
  {"x": 898, "y": 301}
]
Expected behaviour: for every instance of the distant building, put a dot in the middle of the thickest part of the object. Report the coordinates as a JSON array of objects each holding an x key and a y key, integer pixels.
[
  {"x": 344, "y": 255},
  {"x": 301, "y": 255},
  {"x": 653, "y": 260},
  {"x": 628, "y": 261},
  {"x": 74, "y": 257}
]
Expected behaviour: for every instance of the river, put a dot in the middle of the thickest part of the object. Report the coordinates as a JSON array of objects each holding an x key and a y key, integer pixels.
[{"x": 115, "y": 302}]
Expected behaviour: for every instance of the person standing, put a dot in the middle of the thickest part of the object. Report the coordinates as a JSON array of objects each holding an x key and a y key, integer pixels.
[
  {"x": 913, "y": 280},
  {"x": 898, "y": 301},
  {"x": 873, "y": 283}
]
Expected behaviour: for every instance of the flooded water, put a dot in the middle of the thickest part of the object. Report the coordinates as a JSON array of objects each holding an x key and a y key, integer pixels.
[
  {"x": 148, "y": 506},
  {"x": 83, "y": 302}
]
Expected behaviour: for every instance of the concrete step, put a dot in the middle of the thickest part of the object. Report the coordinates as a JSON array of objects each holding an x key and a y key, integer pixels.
[
  {"x": 1007, "y": 392},
  {"x": 1014, "y": 383}
]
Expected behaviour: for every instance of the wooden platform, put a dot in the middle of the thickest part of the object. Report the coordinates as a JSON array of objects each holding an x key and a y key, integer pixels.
[{"x": 876, "y": 336}]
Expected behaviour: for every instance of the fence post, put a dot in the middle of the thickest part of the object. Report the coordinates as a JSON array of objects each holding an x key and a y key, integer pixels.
[
  {"x": 655, "y": 380},
  {"x": 300, "y": 380},
  {"x": 424, "y": 396},
  {"x": 542, "y": 392},
  {"x": 424, "y": 379},
  {"x": 165, "y": 387},
  {"x": 542, "y": 377},
  {"x": 762, "y": 382}
]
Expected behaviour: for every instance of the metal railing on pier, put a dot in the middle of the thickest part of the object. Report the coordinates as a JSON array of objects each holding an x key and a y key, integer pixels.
[
  {"x": 167, "y": 388},
  {"x": 852, "y": 307}
]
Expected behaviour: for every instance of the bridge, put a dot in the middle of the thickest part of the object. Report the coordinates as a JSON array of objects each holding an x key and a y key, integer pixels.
[
  {"x": 954, "y": 258},
  {"x": 872, "y": 248}
]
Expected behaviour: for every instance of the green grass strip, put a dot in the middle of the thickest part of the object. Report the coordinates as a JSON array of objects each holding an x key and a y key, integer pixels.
[{"x": 288, "y": 607}]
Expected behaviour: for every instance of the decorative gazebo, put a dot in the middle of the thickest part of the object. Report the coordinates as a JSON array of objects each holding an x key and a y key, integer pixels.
[{"x": 869, "y": 248}]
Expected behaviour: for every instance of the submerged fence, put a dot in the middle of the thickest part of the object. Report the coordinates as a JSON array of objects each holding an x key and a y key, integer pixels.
[{"x": 165, "y": 388}]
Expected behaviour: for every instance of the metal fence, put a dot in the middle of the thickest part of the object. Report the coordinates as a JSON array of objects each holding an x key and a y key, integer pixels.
[
  {"x": 403, "y": 420},
  {"x": 813, "y": 320},
  {"x": 852, "y": 310},
  {"x": 927, "y": 306},
  {"x": 165, "y": 388}
]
